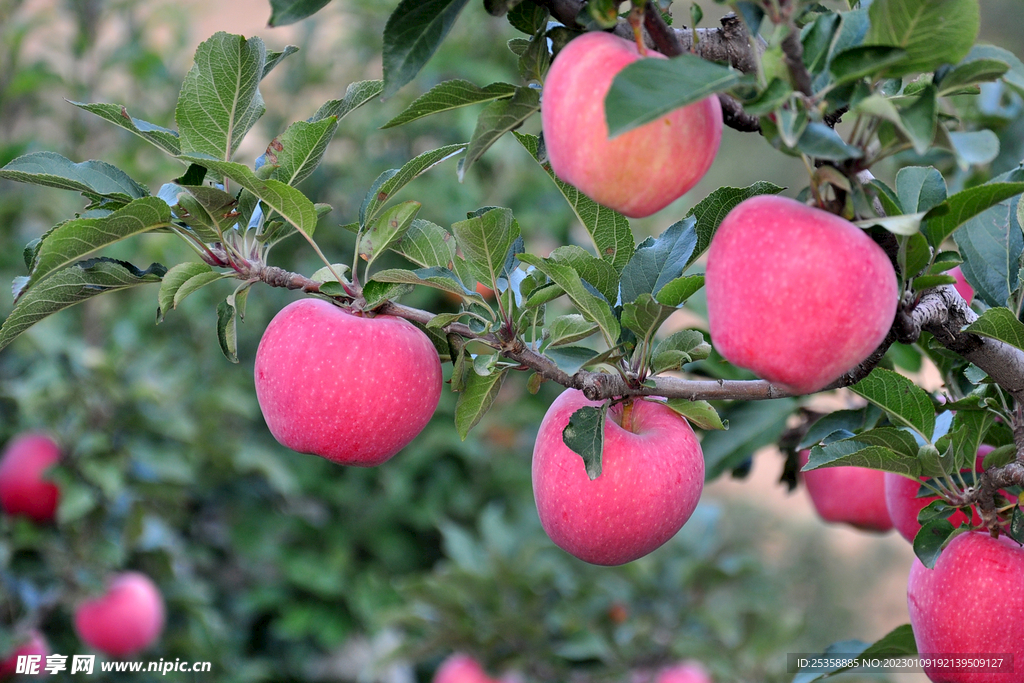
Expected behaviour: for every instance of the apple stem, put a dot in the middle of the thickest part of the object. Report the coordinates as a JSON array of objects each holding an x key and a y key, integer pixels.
[
  {"x": 627, "y": 415},
  {"x": 635, "y": 18}
]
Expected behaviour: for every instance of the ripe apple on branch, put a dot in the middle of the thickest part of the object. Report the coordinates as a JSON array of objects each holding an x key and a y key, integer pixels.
[{"x": 804, "y": 294}]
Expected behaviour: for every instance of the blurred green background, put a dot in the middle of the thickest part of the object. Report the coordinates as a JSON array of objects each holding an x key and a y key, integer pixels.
[{"x": 283, "y": 567}]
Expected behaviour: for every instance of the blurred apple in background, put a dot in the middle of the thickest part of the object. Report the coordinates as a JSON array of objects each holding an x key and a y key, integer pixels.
[
  {"x": 850, "y": 495},
  {"x": 24, "y": 488},
  {"x": 125, "y": 620}
]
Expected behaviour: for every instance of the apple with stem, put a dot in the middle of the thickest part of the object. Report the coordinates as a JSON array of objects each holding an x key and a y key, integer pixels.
[
  {"x": 652, "y": 477},
  {"x": 971, "y": 604},
  {"x": 904, "y": 505},
  {"x": 24, "y": 488},
  {"x": 636, "y": 173},
  {"x": 34, "y": 645},
  {"x": 850, "y": 495},
  {"x": 126, "y": 619},
  {"x": 461, "y": 668},
  {"x": 352, "y": 388},
  {"x": 962, "y": 286},
  {"x": 795, "y": 294}
]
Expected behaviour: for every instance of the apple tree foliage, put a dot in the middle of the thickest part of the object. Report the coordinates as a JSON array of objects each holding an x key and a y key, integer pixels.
[{"x": 907, "y": 80}]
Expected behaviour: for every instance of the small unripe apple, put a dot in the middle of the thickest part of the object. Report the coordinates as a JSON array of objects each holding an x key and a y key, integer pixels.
[
  {"x": 689, "y": 671},
  {"x": 962, "y": 286},
  {"x": 126, "y": 619},
  {"x": 24, "y": 488},
  {"x": 636, "y": 173},
  {"x": 971, "y": 604},
  {"x": 796, "y": 294},
  {"x": 34, "y": 645},
  {"x": 652, "y": 477},
  {"x": 351, "y": 388},
  {"x": 850, "y": 495},
  {"x": 903, "y": 504},
  {"x": 461, "y": 668}
]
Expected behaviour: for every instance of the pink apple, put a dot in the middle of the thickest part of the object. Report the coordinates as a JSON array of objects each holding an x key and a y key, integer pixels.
[
  {"x": 652, "y": 478},
  {"x": 685, "y": 672},
  {"x": 904, "y": 505},
  {"x": 461, "y": 668},
  {"x": 962, "y": 286},
  {"x": 34, "y": 645},
  {"x": 351, "y": 388},
  {"x": 851, "y": 495},
  {"x": 971, "y": 604},
  {"x": 636, "y": 173},
  {"x": 796, "y": 294},
  {"x": 125, "y": 620},
  {"x": 24, "y": 488}
]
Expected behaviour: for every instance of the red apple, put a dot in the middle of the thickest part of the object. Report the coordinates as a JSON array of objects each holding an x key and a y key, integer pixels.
[
  {"x": 795, "y": 294},
  {"x": 125, "y": 620},
  {"x": 461, "y": 668},
  {"x": 685, "y": 672},
  {"x": 24, "y": 488},
  {"x": 962, "y": 286},
  {"x": 853, "y": 495},
  {"x": 351, "y": 388},
  {"x": 636, "y": 173},
  {"x": 34, "y": 645},
  {"x": 652, "y": 477},
  {"x": 972, "y": 605},
  {"x": 904, "y": 505}
]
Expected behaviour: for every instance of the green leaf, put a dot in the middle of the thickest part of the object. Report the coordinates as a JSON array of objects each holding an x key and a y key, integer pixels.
[
  {"x": 1014, "y": 77},
  {"x": 449, "y": 95},
  {"x": 890, "y": 200},
  {"x": 570, "y": 359},
  {"x": 991, "y": 244},
  {"x": 853, "y": 453},
  {"x": 930, "y": 540},
  {"x": 77, "y": 239},
  {"x": 293, "y": 206},
  {"x": 752, "y": 425},
  {"x": 971, "y": 148},
  {"x": 536, "y": 58},
  {"x": 569, "y": 329},
  {"x": 596, "y": 272},
  {"x": 712, "y": 210},
  {"x": 220, "y": 100},
  {"x": 436, "y": 277},
  {"x": 999, "y": 324},
  {"x": 357, "y": 94},
  {"x": 293, "y": 155},
  {"x": 920, "y": 188},
  {"x": 163, "y": 138},
  {"x": 413, "y": 32},
  {"x": 485, "y": 241},
  {"x": 285, "y": 12},
  {"x": 901, "y": 399},
  {"x": 388, "y": 228},
  {"x": 275, "y": 57},
  {"x": 227, "y": 330},
  {"x": 475, "y": 399},
  {"x": 648, "y": 89},
  {"x": 194, "y": 284},
  {"x": 898, "y": 642},
  {"x": 427, "y": 245},
  {"x": 964, "y": 205},
  {"x": 73, "y": 285},
  {"x": 209, "y": 211},
  {"x": 379, "y": 293},
  {"x": 385, "y": 189},
  {"x": 968, "y": 431},
  {"x": 841, "y": 423},
  {"x": 919, "y": 120},
  {"x": 172, "y": 282},
  {"x": 528, "y": 17},
  {"x": 700, "y": 413},
  {"x": 864, "y": 60},
  {"x": 907, "y": 225},
  {"x": 933, "y": 32},
  {"x": 972, "y": 71},
  {"x": 498, "y": 118},
  {"x": 676, "y": 291},
  {"x": 821, "y": 142},
  {"x": 900, "y": 441},
  {"x": 592, "y": 307},
  {"x": 644, "y": 315},
  {"x": 682, "y": 347},
  {"x": 93, "y": 178},
  {"x": 929, "y": 281},
  {"x": 584, "y": 435},
  {"x": 659, "y": 260},
  {"x": 771, "y": 98},
  {"x": 608, "y": 229}
]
